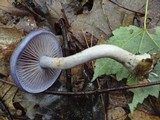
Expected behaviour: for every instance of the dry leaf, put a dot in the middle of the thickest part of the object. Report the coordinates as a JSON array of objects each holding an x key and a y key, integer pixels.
[
  {"x": 3, "y": 118},
  {"x": 94, "y": 22},
  {"x": 4, "y": 89},
  {"x": 8, "y": 99},
  {"x": 27, "y": 24},
  {"x": 55, "y": 9},
  {"x": 117, "y": 15},
  {"x": 5, "y": 17},
  {"x": 82, "y": 40},
  {"x": 9, "y": 37},
  {"x": 117, "y": 113},
  {"x": 139, "y": 115},
  {"x": 7, "y": 94},
  {"x": 7, "y": 6}
]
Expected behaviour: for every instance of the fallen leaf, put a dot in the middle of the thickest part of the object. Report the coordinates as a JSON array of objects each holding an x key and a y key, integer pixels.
[
  {"x": 54, "y": 10},
  {"x": 9, "y": 35},
  {"x": 117, "y": 113},
  {"x": 3, "y": 118},
  {"x": 9, "y": 38},
  {"x": 7, "y": 6},
  {"x": 9, "y": 99},
  {"x": 27, "y": 24},
  {"x": 139, "y": 115},
  {"x": 94, "y": 22},
  {"x": 117, "y": 15}
]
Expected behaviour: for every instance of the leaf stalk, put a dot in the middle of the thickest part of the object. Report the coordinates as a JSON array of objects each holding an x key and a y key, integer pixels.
[{"x": 145, "y": 17}]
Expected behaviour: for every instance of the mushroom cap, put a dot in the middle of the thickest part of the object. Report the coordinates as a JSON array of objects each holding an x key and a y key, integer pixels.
[{"x": 24, "y": 63}]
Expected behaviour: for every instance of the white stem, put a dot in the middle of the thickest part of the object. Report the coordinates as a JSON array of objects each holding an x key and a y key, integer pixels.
[{"x": 122, "y": 56}]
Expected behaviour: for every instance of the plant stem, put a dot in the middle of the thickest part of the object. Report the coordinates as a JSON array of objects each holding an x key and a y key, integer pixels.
[
  {"x": 145, "y": 17},
  {"x": 122, "y": 56}
]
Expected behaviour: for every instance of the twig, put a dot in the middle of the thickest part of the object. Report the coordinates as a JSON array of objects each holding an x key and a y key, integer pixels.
[
  {"x": 7, "y": 82},
  {"x": 98, "y": 91},
  {"x": 5, "y": 110},
  {"x": 126, "y": 8},
  {"x": 104, "y": 100},
  {"x": 66, "y": 52}
]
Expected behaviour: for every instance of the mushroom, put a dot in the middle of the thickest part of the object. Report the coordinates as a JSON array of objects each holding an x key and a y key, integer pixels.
[
  {"x": 37, "y": 61},
  {"x": 25, "y": 68}
]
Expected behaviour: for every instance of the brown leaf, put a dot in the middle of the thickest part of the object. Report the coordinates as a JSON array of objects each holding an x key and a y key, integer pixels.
[
  {"x": 82, "y": 40},
  {"x": 139, "y": 115},
  {"x": 117, "y": 113},
  {"x": 27, "y": 24},
  {"x": 94, "y": 22},
  {"x": 7, "y": 94},
  {"x": 4, "y": 71},
  {"x": 55, "y": 9},
  {"x": 9, "y": 37},
  {"x": 77, "y": 78},
  {"x": 3, "y": 118},
  {"x": 55, "y": 12},
  {"x": 4, "y": 89},
  {"x": 117, "y": 15},
  {"x": 8, "y": 99},
  {"x": 7, "y": 6}
]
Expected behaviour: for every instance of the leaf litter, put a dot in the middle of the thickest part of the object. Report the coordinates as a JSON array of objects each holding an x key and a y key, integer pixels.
[{"x": 98, "y": 22}]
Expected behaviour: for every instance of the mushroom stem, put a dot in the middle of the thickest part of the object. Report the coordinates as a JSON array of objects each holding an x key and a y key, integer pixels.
[{"x": 122, "y": 56}]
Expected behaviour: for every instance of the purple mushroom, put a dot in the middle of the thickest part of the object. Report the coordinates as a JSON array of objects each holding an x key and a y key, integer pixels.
[
  {"x": 25, "y": 66},
  {"x": 37, "y": 61}
]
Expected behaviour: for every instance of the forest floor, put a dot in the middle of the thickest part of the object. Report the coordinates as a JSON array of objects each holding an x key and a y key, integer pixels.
[{"x": 80, "y": 24}]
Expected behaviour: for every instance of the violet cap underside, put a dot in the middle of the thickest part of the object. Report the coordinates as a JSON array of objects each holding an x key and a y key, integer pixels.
[{"x": 24, "y": 63}]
